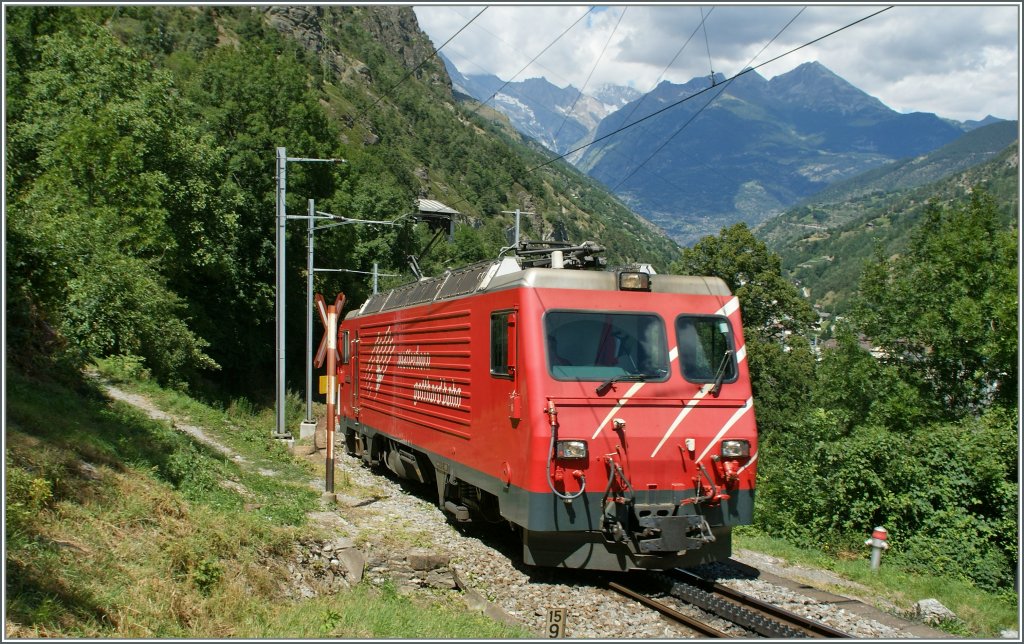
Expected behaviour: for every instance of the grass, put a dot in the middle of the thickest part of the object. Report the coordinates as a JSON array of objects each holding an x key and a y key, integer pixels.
[
  {"x": 119, "y": 526},
  {"x": 375, "y": 613},
  {"x": 981, "y": 614}
]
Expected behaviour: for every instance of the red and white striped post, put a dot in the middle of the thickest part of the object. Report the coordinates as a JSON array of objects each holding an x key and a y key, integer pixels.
[
  {"x": 333, "y": 311},
  {"x": 332, "y": 375}
]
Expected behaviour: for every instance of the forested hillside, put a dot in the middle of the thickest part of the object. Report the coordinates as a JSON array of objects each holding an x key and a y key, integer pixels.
[
  {"x": 826, "y": 244},
  {"x": 973, "y": 148},
  {"x": 141, "y": 185}
]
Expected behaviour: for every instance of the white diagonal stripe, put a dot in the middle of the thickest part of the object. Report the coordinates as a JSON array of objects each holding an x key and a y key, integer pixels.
[
  {"x": 729, "y": 307},
  {"x": 682, "y": 414},
  {"x": 747, "y": 406},
  {"x": 749, "y": 463},
  {"x": 740, "y": 355},
  {"x": 622, "y": 401}
]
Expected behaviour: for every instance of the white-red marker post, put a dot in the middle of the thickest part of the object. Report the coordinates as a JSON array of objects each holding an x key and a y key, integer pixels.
[
  {"x": 329, "y": 349},
  {"x": 332, "y": 374},
  {"x": 332, "y": 385},
  {"x": 878, "y": 542}
]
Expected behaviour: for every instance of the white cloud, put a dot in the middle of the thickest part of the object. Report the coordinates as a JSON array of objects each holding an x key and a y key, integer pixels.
[{"x": 958, "y": 61}]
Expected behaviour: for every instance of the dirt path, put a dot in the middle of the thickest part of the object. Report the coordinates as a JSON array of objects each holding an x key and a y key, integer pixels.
[{"x": 146, "y": 405}]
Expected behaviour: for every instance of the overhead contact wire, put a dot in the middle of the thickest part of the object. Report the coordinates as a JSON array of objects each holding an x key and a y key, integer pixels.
[
  {"x": 693, "y": 33},
  {"x": 550, "y": 45},
  {"x": 554, "y": 74},
  {"x": 695, "y": 95},
  {"x": 424, "y": 61},
  {"x": 592, "y": 70},
  {"x": 725, "y": 86},
  {"x": 707, "y": 45}
]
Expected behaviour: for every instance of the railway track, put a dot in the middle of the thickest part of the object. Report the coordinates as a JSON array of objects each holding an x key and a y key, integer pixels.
[
  {"x": 751, "y": 614},
  {"x": 666, "y": 610}
]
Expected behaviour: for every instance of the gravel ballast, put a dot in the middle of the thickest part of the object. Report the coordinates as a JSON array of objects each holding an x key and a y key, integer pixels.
[{"x": 376, "y": 510}]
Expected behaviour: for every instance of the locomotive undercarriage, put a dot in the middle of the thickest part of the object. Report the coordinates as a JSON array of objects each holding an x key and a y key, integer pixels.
[
  {"x": 464, "y": 501},
  {"x": 655, "y": 528},
  {"x": 626, "y": 535},
  {"x": 592, "y": 550}
]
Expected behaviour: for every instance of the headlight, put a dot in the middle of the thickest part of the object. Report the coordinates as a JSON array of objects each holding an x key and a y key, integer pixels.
[
  {"x": 571, "y": 449},
  {"x": 735, "y": 449},
  {"x": 634, "y": 281}
]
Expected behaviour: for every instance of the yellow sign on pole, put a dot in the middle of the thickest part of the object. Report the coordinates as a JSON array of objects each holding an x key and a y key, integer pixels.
[{"x": 323, "y": 384}]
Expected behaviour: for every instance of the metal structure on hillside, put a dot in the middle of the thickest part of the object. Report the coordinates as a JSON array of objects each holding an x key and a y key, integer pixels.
[
  {"x": 280, "y": 432},
  {"x": 435, "y": 214}
]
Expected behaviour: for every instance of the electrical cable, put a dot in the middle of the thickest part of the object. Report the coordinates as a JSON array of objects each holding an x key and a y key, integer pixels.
[
  {"x": 505, "y": 84},
  {"x": 554, "y": 74},
  {"x": 707, "y": 45},
  {"x": 592, "y": 70},
  {"x": 692, "y": 96},
  {"x": 568, "y": 498},
  {"x": 517, "y": 94},
  {"x": 643, "y": 98},
  {"x": 550, "y": 45},
  {"x": 725, "y": 86},
  {"x": 636, "y": 105},
  {"x": 670, "y": 106},
  {"x": 424, "y": 61}
]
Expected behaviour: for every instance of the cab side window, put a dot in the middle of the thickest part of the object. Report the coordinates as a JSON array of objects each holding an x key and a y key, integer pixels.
[
  {"x": 499, "y": 344},
  {"x": 704, "y": 341}
]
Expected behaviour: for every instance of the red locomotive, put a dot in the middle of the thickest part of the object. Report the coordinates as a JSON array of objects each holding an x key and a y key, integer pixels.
[{"x": 605, "y": 414}]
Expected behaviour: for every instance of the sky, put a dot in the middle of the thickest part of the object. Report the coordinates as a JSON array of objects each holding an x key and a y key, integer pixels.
[{"x": 958, "y": 61}]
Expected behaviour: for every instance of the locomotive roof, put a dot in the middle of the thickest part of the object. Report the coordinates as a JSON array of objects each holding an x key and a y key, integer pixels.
[{"x": 507, "y": 272}]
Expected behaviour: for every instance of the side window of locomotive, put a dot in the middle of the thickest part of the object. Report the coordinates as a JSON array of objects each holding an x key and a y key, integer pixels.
[
  {"x": 705, "y": 347},
  {"x": 499, "y": 344},
  {"x": 589, "y": 345}
]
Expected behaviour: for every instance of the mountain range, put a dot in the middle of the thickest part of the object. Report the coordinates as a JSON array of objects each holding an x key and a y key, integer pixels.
[
  {"x": 695, "y": 157},
  {"x": 554, "y": 116}
]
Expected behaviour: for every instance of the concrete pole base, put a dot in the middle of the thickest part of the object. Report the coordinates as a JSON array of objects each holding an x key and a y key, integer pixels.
[{"x": 306, "y": 429}]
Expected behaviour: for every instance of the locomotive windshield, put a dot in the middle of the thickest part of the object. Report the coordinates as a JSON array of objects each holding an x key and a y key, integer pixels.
[
  {"x": 706, "y": 348},
  {"x": 587, "y": 345}
]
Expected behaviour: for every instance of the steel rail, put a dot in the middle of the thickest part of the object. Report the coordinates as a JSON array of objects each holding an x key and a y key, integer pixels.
[
  {"x": 736, "y": 613},
  {"x": 671, "y": 613},
  {"x": 812, "y": 627}
]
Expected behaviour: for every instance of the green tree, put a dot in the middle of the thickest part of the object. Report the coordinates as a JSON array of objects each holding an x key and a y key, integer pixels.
[
  {"x": 252, "y": 98},
  {"x": 858, "y": 389},
  {"x": 922, "y": 439},
  {"x": 771, "y": 305},
  {"x": 109, "y": 175},
  {"x": 945, "y": 312}
]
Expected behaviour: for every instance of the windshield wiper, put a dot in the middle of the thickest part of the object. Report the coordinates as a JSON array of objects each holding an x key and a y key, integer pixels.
[
  {"x": 630, "y": 377},
  {"x": 720, "y": 374}
]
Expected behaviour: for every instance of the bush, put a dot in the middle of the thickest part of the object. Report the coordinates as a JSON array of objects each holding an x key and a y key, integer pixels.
[{"x": 946, "y": 493}]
